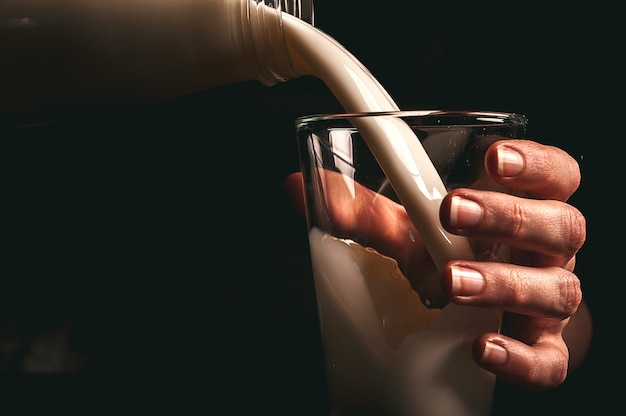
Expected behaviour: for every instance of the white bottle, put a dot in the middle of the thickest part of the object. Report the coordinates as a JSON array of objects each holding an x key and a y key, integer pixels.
[{"x": 65, "y": 57}]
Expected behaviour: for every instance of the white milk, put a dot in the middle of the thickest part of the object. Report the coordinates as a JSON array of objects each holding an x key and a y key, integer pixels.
[{"x": 393, "y": 357}]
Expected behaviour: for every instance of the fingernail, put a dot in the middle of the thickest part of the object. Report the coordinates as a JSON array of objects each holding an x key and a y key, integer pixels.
[
  {"x": 510, "y": 162},
  {"x": 494, "y": 354},
  {"x": 464, "y": 213},
  {"x": 466, "y": 282}
]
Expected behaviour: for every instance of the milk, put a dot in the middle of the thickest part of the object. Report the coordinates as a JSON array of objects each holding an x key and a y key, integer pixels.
[{"x": 402, "y": 359}]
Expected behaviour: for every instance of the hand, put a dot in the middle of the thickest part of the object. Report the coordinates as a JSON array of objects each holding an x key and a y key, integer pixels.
[{"x": 537, "y": 288}]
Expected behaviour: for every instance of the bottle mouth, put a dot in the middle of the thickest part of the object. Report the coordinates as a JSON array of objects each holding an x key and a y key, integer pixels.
[{"x": 302, "y": 9}]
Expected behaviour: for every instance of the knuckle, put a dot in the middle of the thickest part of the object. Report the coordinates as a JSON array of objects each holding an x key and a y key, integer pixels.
[
  {"x": 517, "y": 216},
  {"x": 559, "y": 369},
  {"x": 547, "y": 375},
  {"x": 575, "y": 222},
  {"x": 570, "y": 292}
]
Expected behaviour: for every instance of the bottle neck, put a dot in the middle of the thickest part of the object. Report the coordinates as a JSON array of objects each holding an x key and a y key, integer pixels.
[{"x": 264, "y": 37}]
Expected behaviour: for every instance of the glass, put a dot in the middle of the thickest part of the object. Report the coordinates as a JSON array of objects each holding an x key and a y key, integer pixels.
[{"x": 392, "y": 344}]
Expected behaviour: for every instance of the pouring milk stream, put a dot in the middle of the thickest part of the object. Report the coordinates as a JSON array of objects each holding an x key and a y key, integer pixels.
[{"x": 247, "y": 40}]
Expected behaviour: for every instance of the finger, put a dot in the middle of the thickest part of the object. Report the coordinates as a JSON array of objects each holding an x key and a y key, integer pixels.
[
  {"x": 543, "y": 365},
  {"x": 382, "y": 223},
  {"x": 550, "y": 292},
  {"x": 545, "y": 226},
  {"x": 293, "y": 186},
  {"x": 541, "y": 171}
]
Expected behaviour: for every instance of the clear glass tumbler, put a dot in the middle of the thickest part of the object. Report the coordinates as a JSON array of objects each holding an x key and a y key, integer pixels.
[{"x": 392, "y": 343}]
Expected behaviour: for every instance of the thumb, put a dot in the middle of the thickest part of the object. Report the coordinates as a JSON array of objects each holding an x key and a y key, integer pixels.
[{"x": 293, "y": 186}]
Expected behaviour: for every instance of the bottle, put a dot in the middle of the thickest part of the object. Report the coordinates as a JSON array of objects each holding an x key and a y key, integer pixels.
[{"x": 63, "y": 58}]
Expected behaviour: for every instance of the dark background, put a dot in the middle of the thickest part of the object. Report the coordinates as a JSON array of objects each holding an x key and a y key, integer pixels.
[{"x": 152, "y": 255}]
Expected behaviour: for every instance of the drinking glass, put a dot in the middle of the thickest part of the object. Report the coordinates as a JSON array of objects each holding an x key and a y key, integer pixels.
[{"x": 392, "y": 344}]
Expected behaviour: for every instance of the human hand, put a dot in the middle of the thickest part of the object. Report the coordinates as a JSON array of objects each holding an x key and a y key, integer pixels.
[{"x": 537, "y": 288}]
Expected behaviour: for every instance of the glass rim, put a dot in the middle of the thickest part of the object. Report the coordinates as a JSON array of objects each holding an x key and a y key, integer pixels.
[{"x": 497, "y": 117}]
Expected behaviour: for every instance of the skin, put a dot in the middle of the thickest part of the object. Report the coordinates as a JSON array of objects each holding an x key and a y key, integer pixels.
[{"x": 547, "y": 327}]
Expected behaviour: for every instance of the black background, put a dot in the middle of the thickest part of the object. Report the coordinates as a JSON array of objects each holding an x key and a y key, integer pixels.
[{"x": 163, "y": 235}]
